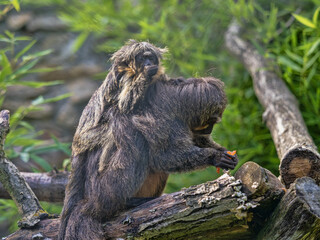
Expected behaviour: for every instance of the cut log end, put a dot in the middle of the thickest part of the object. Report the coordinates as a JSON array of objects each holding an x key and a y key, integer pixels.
[
  {"x": 298, "y": 163},
  {"x": 257, "y": 180}
]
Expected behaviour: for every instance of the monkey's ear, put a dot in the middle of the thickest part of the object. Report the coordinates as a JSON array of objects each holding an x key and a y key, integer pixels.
[{"x": 163, "y": 52}]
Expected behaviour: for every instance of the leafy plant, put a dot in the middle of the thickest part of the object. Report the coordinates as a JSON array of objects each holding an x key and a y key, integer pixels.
[
  {"x": 299, "y": 57},
  {"x": 22, "y": 141}
]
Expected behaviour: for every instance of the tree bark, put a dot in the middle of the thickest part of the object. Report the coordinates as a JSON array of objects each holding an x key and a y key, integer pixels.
[
  {"x": 213, "y": 210},
  {"x": 48, "y": 187},
  {"x": 298, "y": 214},
  {"x": 258, "y": 183},
  {"x": 297, "y": 153},
  {"x": 26, "y": 201}
]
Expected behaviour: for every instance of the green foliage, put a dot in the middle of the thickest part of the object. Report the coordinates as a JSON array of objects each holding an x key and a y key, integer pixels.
[
  {"x": 188, "y": 29},
  {"x": 10, "y": 215},
  {"x": 299, "y": 58},
  {"x": 22, "y": 141},
  {"x": 7, "y": 5}
]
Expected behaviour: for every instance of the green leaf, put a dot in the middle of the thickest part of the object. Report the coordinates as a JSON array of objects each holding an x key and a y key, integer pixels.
[
  {"x": 34, "y": 84},
  {"x": 24, "y": 156},
  {"x": 9, "y": 34},
  {"x": 44, "y": 70},
  {"x": 16, "y": 4},
  {"x": 313, "y": 47},
  {"x": 5, "y": 63},
  {"x": 5, "y": 40},
  {"x": 6, "y": 66},
  {"x": 41, "y": 100},
  {"x": 287, "y": 62},
  {"x": 42, "y": 162},
  {"x": 304, "y": 21},
  {"x": 294, "y": 56},
  {"x": 311, "y": 74},
  {"x": 79, "y": 41},
  {"x": 315, "y": 16},
  {"x": 23, "y": 51},
  {"x": 65, "y": 147},
  {"x": 37, "y": 54},
  {"x": 26, "y": 125},
  {"x": 23, "y": 38},
  {"x": 311, "y": 61},
  {"x": 1, "y": 101},
  {"x": 24, "y": 141},
  {"x": 24, "y": 69}
]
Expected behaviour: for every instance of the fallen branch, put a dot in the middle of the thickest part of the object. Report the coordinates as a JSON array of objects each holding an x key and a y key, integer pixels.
[
  {"x": 48, "y": 187},
  {"x": 297, "y": 153},
  {"x": 26, "y": 201},
  {"x": 298, "y": 214},
  {"x": 213, "y": 210}
]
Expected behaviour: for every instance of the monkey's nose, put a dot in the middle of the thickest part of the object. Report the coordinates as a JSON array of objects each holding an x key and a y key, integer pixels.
[{"x": 147, "y": 63}]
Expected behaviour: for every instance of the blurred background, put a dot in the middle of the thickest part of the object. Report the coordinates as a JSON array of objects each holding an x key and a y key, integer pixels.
[{"x": 54, "y": 54}]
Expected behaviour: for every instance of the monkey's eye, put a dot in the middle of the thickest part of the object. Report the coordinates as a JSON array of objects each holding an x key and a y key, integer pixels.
[{"x": 139, "y": 58}]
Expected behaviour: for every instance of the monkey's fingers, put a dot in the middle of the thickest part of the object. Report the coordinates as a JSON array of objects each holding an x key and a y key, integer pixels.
[
  {"x": 226, "y": 162},
  {"x": 232, "y": 156}
]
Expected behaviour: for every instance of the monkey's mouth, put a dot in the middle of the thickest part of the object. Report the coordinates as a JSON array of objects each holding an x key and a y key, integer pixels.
[
  {"x": 151, "y": 70},
  {"x": 201, "y": 127},
  {"x": 204, "y": 129}
]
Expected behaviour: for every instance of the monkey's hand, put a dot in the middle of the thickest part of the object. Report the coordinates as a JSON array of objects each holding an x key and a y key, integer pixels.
[{"x": 227, "y": 160}]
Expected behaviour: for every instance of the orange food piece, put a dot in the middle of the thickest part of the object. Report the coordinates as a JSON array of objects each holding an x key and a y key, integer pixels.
[
  {"x": 232, "y": 153},
  {"x": 218, "y": 170}
]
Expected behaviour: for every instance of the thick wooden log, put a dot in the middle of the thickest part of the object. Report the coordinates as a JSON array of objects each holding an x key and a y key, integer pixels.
[
  {"x": 48, "y": 187},
  {"x": 298, "y": 214},
  {"x": 297, "y": 153},
  {"x": 213, "y": 210}
]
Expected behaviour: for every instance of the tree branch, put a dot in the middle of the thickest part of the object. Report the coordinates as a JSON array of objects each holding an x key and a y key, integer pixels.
[
  {"x": 213, "y": 210},
  {"x": 297, "y": 153},
  {"x": 48, "y": 187},
  {"x": 26, "y": 201}
]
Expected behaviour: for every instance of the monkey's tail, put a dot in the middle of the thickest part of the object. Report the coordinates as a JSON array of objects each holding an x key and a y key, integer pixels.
[
  {"x": 82, "y": 226},
  {"x": 74, "y": 195}
]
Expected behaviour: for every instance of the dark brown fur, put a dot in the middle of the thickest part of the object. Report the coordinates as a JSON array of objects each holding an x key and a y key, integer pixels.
[{"x": 138, "y": 127}]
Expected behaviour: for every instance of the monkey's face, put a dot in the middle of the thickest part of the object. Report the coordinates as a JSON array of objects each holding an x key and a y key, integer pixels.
[
  {"x": 207, "y": 126},
  {"x": 148, "y": 63}
]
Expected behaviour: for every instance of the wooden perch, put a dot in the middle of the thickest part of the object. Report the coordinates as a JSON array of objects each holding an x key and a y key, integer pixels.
[
  {"x": 213, "y": 210},
  {"x": 298, "y": 214},
  {"x": 297, "y": 153},
  {"x": 26, "y": 201},
  {"x": 48, "y": 187}
]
